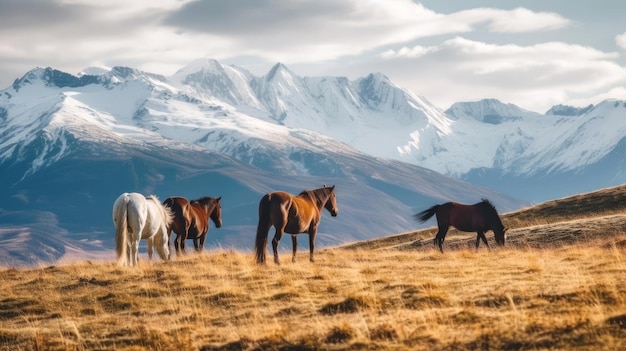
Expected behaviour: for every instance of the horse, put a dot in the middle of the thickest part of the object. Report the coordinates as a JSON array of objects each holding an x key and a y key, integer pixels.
[
  {"x": 191, "y": 220},
  {"x": 293, "y": 215},
  {"x": 480, "y": 217},
  {"x": 138, "y": 217}
]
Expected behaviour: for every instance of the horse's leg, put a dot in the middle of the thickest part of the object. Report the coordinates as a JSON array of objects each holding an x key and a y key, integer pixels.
[
  {"x": 294, "y": 244},
  {"x": 201, "y": 243},
  {"x": 279, "y": 234},
  {"x": 150, "y": 248},
  {"x": 183, "y": 238},
  {"x": 162, "y": 246},
  {"x": 312, "y": 234},
  {"x": 176, "y": 244},
  {"x": 481, "y": 235},
  {"x": 134, "y": 251},
  {"x": 440, "y": 237},
  {"x": 196, "y": 244}
]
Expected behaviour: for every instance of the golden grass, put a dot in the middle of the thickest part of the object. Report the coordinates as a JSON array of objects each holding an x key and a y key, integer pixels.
[
  {"x": 520, "y": 299},
  {"x": 557, "y": 285}
]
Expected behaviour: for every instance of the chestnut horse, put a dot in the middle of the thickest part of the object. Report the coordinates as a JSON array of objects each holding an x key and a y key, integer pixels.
[
  {"x": 478, "y": 218},
  {"x": 293, "y": 215},
  {"x": 191, "y": 219}
]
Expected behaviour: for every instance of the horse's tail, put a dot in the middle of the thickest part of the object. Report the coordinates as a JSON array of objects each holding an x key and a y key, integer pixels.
[
  {"x": 121, "y": 230},
  {"x": 169, "y": 208},
  {"x": 426, "y": 214},
  {"x": 168, "y": 219},
  {"x": 260, "y": 246}
]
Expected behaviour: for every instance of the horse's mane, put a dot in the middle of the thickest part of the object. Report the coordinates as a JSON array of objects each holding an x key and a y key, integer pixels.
[
  {"x": 487, "y": 202},
  {"x": 491, "y": 208},
  {"x": 168, "y": 215},
  {"x": 317, "y": 195},
  {"x": 204, "y": 199}
]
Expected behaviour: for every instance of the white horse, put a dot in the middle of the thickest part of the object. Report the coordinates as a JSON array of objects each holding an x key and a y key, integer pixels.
[{"x": 137, "y": 217}]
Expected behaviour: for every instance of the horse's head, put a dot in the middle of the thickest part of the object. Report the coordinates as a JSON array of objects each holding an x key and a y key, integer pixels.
[
  {"x": 498, "y": 228},
  {"x": 331, "y": 203},
  {"x": 500, "y": 235},
  {"x": 216, "y": 215}
]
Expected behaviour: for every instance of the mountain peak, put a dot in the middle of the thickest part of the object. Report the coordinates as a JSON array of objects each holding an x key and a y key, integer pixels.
[
  {"x": 567, "y": 110},
  {"x": 52, "y": 77},
  {"x": 94, "y": 71},
  {"x": 200, "y": 65},
  {"x": 278, "y": 70},
  {"x": 492, "y": 111}
]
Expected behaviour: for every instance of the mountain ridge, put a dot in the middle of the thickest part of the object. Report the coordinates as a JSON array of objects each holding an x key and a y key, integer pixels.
[
  {"x": 211, "y": 128},
  {"x": 69, "y": 151}
]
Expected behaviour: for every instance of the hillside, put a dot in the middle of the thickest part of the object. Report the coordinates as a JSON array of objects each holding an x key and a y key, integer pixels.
[
  {"x": 534, "y": 294},
  {"x": 593, "y": 216}
]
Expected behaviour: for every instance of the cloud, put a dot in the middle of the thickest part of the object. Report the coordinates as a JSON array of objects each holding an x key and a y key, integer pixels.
[
  {"x": 403, "y": 39},
  {"x": 533, "y": 76},
  {"x": 620, "y": 40},
  {"x": 518, "y": 20},
  {"x": 162, "y": 34},
  {"x": 308, "y": 31}
]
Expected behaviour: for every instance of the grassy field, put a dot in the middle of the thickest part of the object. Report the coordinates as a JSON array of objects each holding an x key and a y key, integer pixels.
[{"x": 557, "y": 285}]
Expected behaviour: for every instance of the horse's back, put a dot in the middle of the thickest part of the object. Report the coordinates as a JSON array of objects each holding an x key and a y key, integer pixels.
[
  {"x": 468, "y": 218},
  {"x": 177, "y": 204},
  {"x": 157, "y": 213}
]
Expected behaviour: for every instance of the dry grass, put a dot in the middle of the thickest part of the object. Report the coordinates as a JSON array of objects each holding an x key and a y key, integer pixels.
[
  {"x": 567, "y": 298},
  {"x": 555, "y": 286}
]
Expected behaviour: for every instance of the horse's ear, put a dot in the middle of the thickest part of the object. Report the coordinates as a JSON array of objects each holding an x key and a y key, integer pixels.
[
  {"x": 218, "y": 199},
  {"x": 332, "y": 188}
]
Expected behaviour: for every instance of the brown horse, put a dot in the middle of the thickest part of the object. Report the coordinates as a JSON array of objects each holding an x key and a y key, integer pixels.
[
  {"x": 478, "y": 218},
  {"x": 191, "y": 219},
  {"x": 292, "y": 214}
]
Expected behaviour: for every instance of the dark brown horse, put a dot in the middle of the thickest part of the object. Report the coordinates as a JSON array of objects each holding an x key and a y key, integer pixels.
[
  {"x": 191, "y": 219},
  {"x": 478, "y": 218},
  {"x": 293, "y": 215}
]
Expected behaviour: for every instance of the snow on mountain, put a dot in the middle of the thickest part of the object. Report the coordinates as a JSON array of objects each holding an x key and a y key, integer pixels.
[
  {"x": 228, "y": 110},
  {"x": 581, "y": 141},
  {"x": 70, "y": 144},
  {"x": 565, "y": 110},
  {"x": 211, "y": 124}
]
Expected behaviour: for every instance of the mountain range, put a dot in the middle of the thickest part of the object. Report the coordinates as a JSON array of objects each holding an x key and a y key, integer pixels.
[{"x": 70, "y": 144}]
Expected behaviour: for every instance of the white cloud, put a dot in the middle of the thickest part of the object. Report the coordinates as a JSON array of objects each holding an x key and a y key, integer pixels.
[
  {"x": 512, "y": 21},
  {"x": 533, "y": 76},
  {"x": 349, "y": 37},
  {"x": 620, "y": 40},
  {"x": 416, "y": 51}
]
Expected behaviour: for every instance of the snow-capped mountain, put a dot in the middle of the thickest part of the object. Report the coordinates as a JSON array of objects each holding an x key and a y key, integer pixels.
[
  {"x": 488, "y": 142},
  {"x": 69, "y": 145},
  {"x": 533, "y": 156}
]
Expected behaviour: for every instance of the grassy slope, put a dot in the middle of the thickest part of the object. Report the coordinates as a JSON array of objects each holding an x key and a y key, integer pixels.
[{"x": 558, "y": 284}]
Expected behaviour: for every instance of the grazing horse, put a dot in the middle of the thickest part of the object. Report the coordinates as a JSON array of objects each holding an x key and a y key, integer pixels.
[
  {"x": 191, "y": 220},
  {"x": 479, "y": 217},
  {"x": 137, "y": 217},
  {"x": 292, "y": 214}
]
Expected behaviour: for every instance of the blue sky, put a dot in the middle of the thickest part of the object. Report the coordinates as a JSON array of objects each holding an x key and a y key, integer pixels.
[{"x": 530, "y": 53}]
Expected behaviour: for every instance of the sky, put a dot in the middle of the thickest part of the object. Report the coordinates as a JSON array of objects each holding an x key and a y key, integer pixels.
[{"x": 531, "y": 53}]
